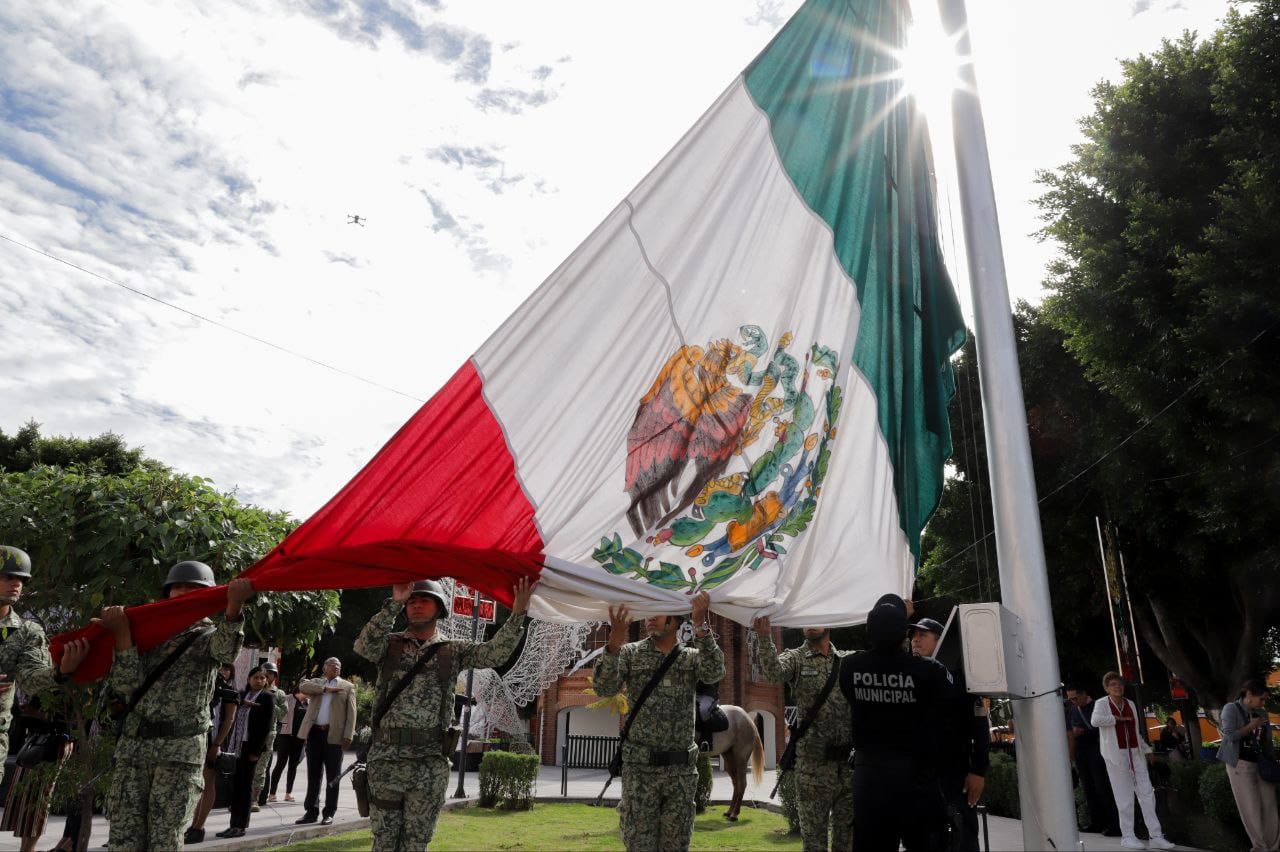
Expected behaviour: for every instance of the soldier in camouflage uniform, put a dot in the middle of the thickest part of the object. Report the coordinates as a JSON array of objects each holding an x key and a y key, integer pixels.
[
  {"x": 277, "y": 696},
  {"x": 24, "y": 651},
  {"x": 408, "y": 769},
  {"x": 824, "y": 779},
  {"x": 159, "y": 757},
  {"x": 659, "y": 758}
]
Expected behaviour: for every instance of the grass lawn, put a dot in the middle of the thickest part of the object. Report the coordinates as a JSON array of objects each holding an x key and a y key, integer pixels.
[{"x": 557, "y": 827}]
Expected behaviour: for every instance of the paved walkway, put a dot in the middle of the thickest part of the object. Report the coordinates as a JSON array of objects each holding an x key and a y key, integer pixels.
[{"x": 274, "y": 826}]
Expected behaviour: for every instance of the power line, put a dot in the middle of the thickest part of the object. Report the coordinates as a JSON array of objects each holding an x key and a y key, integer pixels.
[
  {"x": 1131, "y": 435},
  {"x": 317, "y": 362}
]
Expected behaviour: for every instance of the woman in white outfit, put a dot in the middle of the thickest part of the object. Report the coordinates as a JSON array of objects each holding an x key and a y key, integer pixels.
[
  {"x": 1126, "y": 751},
  {"x": 1246, "y": 738}
]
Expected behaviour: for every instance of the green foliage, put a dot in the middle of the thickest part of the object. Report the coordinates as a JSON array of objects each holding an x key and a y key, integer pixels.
[
  {"x": 1168, "y": 218},
  {"x": 507, "y": 780},
  {"x": 702, "y": 797},
  {"x": 97, "y": 538},
  {"x": 787, "y": 796},
  {"x": 28, "y": 448},
  {"x": 1001, "y": 790},
  {"x": 1215, "y": 793}
]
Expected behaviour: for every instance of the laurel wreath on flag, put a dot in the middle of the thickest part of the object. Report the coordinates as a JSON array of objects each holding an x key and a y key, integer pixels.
[{"x": 744, "y": 519}]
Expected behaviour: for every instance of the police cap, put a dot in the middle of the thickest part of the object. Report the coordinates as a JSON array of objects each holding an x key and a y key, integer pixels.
[
  {"x": 928, "y": 625},
  {"x": 15, "y": 562}
]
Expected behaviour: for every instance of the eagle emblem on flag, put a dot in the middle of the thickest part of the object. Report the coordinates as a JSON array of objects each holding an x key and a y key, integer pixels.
[{"x": 725, "y": 459}]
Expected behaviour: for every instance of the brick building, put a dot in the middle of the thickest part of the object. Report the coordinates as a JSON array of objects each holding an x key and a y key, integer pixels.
[{"x": 564, "y": 704}]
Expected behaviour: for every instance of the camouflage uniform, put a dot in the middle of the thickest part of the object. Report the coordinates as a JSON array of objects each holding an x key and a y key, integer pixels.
[
  {"x": 824, "y": 779},
  {"x": 408, "y": 771},
  {"x": 658, "y": 785},
  {"x": 268, "y": 745},
  {"x": 24, "y": 659},
  {"x": 160, "y": 755}
]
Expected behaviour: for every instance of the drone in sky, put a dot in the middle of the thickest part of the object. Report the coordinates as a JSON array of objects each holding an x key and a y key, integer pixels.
[{"x": 356, "y": 220}]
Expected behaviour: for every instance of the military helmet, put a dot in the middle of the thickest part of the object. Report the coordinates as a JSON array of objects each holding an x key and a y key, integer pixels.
[
  {"x": 432, "y": 589},
  {"x": 195, "y": 573},
  {"x": 270, "y": 667},
  {"x": 15, "y": 562}
]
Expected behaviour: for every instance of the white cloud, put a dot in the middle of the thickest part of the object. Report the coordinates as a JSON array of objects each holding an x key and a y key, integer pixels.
[{"x": 211, "y": 153}]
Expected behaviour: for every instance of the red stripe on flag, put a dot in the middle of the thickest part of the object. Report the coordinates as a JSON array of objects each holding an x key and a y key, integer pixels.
[{"x": 441, "y": 499}]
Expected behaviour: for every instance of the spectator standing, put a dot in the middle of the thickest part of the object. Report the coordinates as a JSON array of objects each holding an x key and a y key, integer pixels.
[
  {"x": 253, "y": 723},
  {"x": 966, "y": 745},
  {"x": 1246, "y": 737},
  {"x": 327, "y": 729},
  {"x": 1085, "y": 745},
  {"x": 1125, "y": 749},
  {"x": 222, "y": 712},
  {"x": 288, "y": 746},
  {"x": 1173, "y": 740}
]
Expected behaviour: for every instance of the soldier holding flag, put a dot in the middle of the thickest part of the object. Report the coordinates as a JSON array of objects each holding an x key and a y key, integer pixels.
[{"x": 408, "y": 762}]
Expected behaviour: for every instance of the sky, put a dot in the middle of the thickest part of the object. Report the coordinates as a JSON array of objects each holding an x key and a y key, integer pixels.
[{"x": 210, "y": 155}]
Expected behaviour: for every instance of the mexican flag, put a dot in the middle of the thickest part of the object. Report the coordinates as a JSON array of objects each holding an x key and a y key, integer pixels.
[{"x": 737, "y": 383}]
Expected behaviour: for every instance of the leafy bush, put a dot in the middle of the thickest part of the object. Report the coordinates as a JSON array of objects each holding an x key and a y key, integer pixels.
[
  {"x": 1002, "y": 787},
  {"x": 787, "y": 794},
  {"x": 703, "y": 796},
  {"x": 507, "y": 780},
  {"x": 1215, "y": 794}
]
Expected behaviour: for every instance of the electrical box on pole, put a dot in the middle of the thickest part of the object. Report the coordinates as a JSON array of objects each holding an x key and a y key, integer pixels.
[{"x": 993, "y": 652}]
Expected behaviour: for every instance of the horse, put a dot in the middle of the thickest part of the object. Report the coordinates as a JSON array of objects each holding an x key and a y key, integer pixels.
[{"x": 740, "y": 743}]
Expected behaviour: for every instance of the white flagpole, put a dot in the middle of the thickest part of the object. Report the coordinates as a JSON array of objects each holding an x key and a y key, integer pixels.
[
  {"x": 1111, "y": 606},
  {"x": 1044, "y": 775}
]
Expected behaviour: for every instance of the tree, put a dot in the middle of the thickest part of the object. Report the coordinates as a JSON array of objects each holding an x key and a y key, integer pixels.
[
  {"x": 101, "y": 533},
  {"x": 1149, "y": 374},
  {"x": 28, "y": 448},
  {"x": 97, "y": 539}
]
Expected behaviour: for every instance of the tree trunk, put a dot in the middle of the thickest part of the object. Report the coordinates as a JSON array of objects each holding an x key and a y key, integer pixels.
[
  {"x": 86, "y": 819},
  {"x": 1191, "y": 721}
]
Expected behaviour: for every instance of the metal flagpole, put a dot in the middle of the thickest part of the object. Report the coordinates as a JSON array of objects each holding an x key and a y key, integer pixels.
[
  {"x": 1044, "y": 779},
  {"x": 461, "y": 792},
  {"x": 1133, "y": 627},
  {"x": 1111, "y": 607}
]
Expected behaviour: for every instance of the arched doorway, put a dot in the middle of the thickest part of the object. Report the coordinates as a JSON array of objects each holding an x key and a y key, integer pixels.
[
  {"x": 766, "y": 724},
  {"x": 583, "y": 721}
]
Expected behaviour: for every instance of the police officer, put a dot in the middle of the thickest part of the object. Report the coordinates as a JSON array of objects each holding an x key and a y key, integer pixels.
[
  {"x": 161, "y": 751},
  {"x": 824, "y": 779},
  {"x": 263, "y": 767},
  {"x": 659, "y": 758},
  {"x": 967, "y": 739},
  {"x": 408, "y": 764},
  {"x": 24, "y": 651},
  {"x": 896, "y": 702}
]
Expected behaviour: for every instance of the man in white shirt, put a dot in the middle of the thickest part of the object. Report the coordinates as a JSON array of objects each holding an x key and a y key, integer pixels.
[{"x": 327, "y": 729}]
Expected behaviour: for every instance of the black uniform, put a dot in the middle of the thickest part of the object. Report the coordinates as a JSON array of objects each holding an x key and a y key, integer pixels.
[
  {"x": 968, "y": 735},
  {"x": 898, "y": 703}
]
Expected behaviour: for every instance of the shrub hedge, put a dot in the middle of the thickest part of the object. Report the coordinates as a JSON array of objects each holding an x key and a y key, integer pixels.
[
  {"x": 507, "y": 780},
  {"x": 703, "y": 797},
  {"x": 787, "y": 795}
]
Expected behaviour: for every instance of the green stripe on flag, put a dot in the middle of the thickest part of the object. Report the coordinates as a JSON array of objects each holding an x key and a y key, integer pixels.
[{"x": 847, "y": 137}]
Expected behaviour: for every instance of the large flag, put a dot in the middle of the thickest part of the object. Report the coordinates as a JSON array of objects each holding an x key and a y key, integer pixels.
[{"x": 738, "y": 383}]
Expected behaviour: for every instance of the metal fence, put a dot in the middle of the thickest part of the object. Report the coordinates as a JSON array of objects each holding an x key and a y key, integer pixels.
[{"x": 585, "y": 752}]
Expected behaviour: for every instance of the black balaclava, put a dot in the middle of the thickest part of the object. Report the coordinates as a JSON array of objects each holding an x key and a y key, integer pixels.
[{"x": 886, "y": 627}]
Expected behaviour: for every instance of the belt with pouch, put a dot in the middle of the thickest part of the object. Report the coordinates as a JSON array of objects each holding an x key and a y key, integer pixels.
[
  {"x": 408, "y": 736},
  {"x": 683, "y": 757},
  {"x": 169, "y": 730}
]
